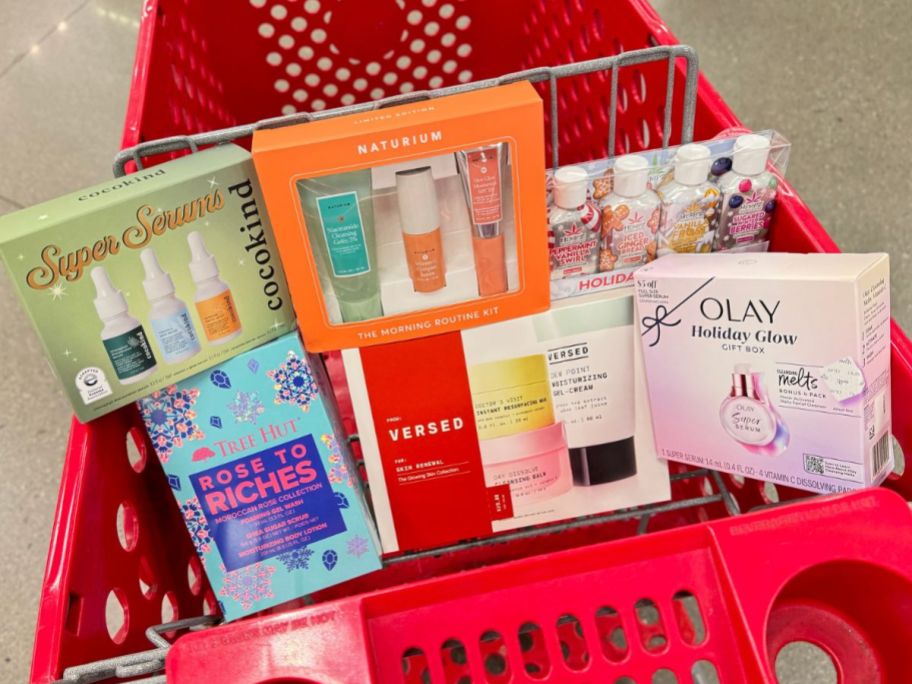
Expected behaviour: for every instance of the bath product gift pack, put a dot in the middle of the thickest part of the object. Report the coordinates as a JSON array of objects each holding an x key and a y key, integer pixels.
[
  {"x": 142, "y": 281},
  {"x": 256, "y": 460},
  {"x": 771, "y": 366},
  {"x": 523, "y": 422},
  {"x": 609, "y": 217},
  {"x": 411, "y": 220}
]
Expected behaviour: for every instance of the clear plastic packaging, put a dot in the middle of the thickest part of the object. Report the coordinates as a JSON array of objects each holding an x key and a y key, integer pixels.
[
  {"x": 415, "y": 235},
  {"x": 718, "y": 195},
  {"x": 411, "y": 220}
]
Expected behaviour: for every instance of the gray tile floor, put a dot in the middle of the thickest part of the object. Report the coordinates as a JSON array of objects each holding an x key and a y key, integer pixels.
[{"x": 835, "y": 82}]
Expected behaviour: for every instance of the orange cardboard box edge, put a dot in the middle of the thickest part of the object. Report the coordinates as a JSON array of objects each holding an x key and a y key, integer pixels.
[{"x": 511, "y": 113}]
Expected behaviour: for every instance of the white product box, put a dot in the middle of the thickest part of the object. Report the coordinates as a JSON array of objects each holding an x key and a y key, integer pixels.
[
  {"x": 771, "y": 366},
  {"x": 524, "y": 422}
]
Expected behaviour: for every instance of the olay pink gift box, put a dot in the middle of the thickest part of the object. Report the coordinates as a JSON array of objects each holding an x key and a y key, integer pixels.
[{"x": 771, "y": 366}]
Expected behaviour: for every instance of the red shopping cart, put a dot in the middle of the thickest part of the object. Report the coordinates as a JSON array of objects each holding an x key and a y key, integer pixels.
[{"x": 120, "y": 560}]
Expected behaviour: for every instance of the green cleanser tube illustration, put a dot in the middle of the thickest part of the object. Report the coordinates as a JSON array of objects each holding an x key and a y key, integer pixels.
[{"x": 340, "y": 227}]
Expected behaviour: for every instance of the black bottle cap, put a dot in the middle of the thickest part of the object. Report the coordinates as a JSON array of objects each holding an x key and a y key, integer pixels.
[{"x": 600, "y": 463}]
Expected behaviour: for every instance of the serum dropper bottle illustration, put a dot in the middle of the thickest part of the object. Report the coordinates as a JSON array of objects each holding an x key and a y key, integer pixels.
[
  {"x": 123, "y": 336},
  {"x": 170, "y": 319},
  {"x": 749, "y": 416},
  {"x": 214, "y": 301}
]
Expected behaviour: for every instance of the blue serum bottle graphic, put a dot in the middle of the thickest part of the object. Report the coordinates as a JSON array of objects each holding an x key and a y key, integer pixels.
[{"x": 169, "y": 317}]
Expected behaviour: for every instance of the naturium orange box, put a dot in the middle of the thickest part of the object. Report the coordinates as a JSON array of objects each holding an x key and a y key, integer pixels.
[{"x": 412, "y": 220}]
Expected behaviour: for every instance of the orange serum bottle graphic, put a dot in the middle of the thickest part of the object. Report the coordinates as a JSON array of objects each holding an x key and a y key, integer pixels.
[
  {"x": 214, "y": 302},
  {"x": 420, "y": 219}
]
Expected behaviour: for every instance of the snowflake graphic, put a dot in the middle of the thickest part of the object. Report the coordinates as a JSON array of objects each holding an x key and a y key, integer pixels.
[
  {"x": 197, "y": 525},
  {"x": 169, "y": 415},
  {"x": 246, "y": 407},
  {"x": 294, "y": 383},
  {"x": 297, "y": 559},
  {"x": 248, "y": 585},
  {"x": 357, "y": 546},
  {"x": 220, "y": 379},
  {"x": 339, "y": 472},
  {"x": 57, "y": 292},
  {"x": 331, "y": 445}
]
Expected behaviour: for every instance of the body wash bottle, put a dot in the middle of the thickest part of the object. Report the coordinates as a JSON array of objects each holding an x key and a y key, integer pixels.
[
  {"x": 573, "y": 226},
  {"x": 214, "y": 302},
  {"x": 630, "y": 216},
  {"x": 690, "y": 203},
  {"x": 749, "y": 417},
  {"x": 748, "y": 195},
  {"x": 482, "y": 172},
  {"x": 123, "y": 336},
  {"x": 420, "y": 219},
  {"x": 170, "y": 319},
  {"x": 340, "y": 226}
]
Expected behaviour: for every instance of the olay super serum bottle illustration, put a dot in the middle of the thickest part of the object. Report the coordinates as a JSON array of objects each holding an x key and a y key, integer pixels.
[
  {"x": 573, "y": 226},
  {"x": 690, "y": 203},
  {"x": 630, "y": 216},
  {"x": 749, "y": 416},
  {"x": 748, "y": 194},
  {"x": 420, "y": 219},
  {"x": 170, "y": 319},
  {"x": 214, "y": 301},
  {"x": 123, "y": 336},
  {"x": 482, "y": 173}
]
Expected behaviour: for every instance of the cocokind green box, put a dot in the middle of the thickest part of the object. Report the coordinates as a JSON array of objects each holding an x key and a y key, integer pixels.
[{"x": 145, "y": 280}]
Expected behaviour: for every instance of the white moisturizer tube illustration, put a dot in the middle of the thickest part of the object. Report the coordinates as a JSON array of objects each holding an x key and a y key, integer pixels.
[
  {"x": 123, "y": 336},
  {"x": 591, "y": 366},
  {"x": 170, "y": 319}
]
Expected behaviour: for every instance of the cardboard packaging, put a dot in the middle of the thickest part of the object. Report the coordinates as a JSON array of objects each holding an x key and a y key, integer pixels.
[
  {"x": 145, "y": 280},
  {"x": 771, "y": 366},
  {"x": 413, "y": 220},
  {"x": 257, "y": 461},
  {"x": 524, "y": 422}
]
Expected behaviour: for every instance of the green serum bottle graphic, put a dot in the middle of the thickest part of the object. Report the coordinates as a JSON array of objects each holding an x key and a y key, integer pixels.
[{"x": 123, "y": 336}]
